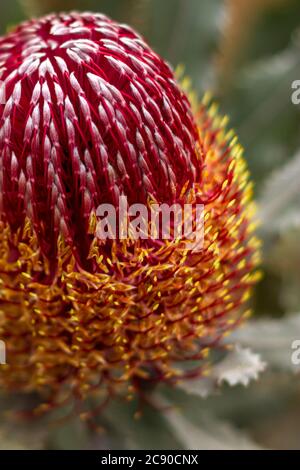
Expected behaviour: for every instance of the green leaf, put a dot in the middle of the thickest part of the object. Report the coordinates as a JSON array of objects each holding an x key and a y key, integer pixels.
[
  {"x": 281, "y": 191},
  {"x": 209, "y": 433}
]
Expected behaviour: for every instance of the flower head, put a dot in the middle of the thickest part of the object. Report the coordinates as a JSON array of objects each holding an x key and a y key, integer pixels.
[{"x": 90, "y": 113}]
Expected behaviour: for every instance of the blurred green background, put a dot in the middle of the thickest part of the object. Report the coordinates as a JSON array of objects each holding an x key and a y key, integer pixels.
[{"x": 247, "y": 52}]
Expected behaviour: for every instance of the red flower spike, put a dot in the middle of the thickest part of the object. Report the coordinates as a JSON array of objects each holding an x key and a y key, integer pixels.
[{"x": 90, "y": 112}]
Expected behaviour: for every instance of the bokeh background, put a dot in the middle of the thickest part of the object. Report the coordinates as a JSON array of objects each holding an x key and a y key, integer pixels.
[{"x": 247, "y": 53}]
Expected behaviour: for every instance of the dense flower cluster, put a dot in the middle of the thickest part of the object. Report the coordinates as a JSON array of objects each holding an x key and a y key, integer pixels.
[{"x": 90, "y": 112}]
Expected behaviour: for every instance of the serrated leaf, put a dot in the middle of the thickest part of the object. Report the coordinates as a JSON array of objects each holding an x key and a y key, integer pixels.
[
  {"x": 273, "y": 339},
  {"x": 239, "y": 366}
]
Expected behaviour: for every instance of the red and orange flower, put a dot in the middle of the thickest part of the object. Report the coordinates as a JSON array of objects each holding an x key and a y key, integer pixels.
[{"x": 90, "y": 112}]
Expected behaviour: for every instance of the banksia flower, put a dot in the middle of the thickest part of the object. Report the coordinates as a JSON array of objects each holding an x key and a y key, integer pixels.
[{"x": 90, "y": 113}]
